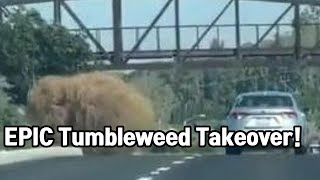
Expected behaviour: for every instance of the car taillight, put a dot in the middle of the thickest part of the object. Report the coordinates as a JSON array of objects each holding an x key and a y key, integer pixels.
[
  {"x": 290, "y": 115},
  {"x": 238, "y": 116}
]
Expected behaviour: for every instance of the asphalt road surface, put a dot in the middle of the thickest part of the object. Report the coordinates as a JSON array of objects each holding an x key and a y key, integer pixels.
[{"x": 161, "y": 167}]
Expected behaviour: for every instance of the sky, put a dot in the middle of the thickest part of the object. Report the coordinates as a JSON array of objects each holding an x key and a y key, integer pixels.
[{"x": 98, "y": 13}]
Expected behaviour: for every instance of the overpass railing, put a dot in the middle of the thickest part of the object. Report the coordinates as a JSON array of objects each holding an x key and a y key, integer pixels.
[{"x": 220, "y": 36}]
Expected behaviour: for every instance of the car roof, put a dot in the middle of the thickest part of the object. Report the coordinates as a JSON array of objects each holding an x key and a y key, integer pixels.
[{"x": 266, "y": 93}]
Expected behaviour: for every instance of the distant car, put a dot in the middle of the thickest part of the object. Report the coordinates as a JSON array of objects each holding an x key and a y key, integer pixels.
[{"x": 266, "y": 110}]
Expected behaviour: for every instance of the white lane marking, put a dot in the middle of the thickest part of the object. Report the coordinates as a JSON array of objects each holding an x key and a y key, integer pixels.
[
  {"x": 163, "y": 169},
  {"x": 154, "y": 172},
  {"x": 188, "y": 157},
  {"x": 145, "y": 178},
  {"x": 197, "y": 155},
  {"x": 177, "y": 162},
  {"x": 137, "y": 153}
]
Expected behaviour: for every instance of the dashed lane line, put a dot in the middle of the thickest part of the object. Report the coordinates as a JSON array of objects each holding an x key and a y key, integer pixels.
[
  {"x": 145, "y": 178},
  {"x": 164, "y": 169},
  {"x": 189, "y": 157},
  {"x": 178, "y": 162},
  {"x": 154, "y": 173},
  {"x": 197, "y": 155}
]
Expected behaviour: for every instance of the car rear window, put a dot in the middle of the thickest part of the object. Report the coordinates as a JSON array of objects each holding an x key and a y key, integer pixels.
[{"x": 264, "y": 101}]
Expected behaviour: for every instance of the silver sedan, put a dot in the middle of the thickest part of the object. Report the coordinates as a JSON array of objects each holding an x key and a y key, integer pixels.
[{"x": 266, "y": 110}]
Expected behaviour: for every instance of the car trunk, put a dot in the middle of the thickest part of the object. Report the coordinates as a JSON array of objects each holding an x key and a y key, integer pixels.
[{"x": 271, "y": 118}]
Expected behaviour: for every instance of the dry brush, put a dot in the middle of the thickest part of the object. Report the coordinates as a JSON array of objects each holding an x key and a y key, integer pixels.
[{"x": 89, "y": 101}]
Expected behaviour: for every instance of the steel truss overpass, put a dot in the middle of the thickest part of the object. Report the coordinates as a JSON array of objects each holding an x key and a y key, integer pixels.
[{"x": 194, "y": 55}]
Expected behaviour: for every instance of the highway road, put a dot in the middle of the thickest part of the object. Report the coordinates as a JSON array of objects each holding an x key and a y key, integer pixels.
[{"x": 173, "y": 167}]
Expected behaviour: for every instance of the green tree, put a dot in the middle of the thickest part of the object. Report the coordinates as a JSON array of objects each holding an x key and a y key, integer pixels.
[{"x": 30, "y": 48}]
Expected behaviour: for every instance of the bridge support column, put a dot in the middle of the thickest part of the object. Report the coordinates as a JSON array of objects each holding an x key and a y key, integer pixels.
[
  {"x": 117, "y": 31},
  {"x": 57, "y": 12},
  {"x": 297, "y": 26},
  {"x": 177, "y": 29},
  {"x": 237, "y": 23}
]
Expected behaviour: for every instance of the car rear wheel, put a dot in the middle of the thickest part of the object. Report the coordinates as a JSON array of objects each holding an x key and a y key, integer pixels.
[{"x": 233, "y": 151}]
